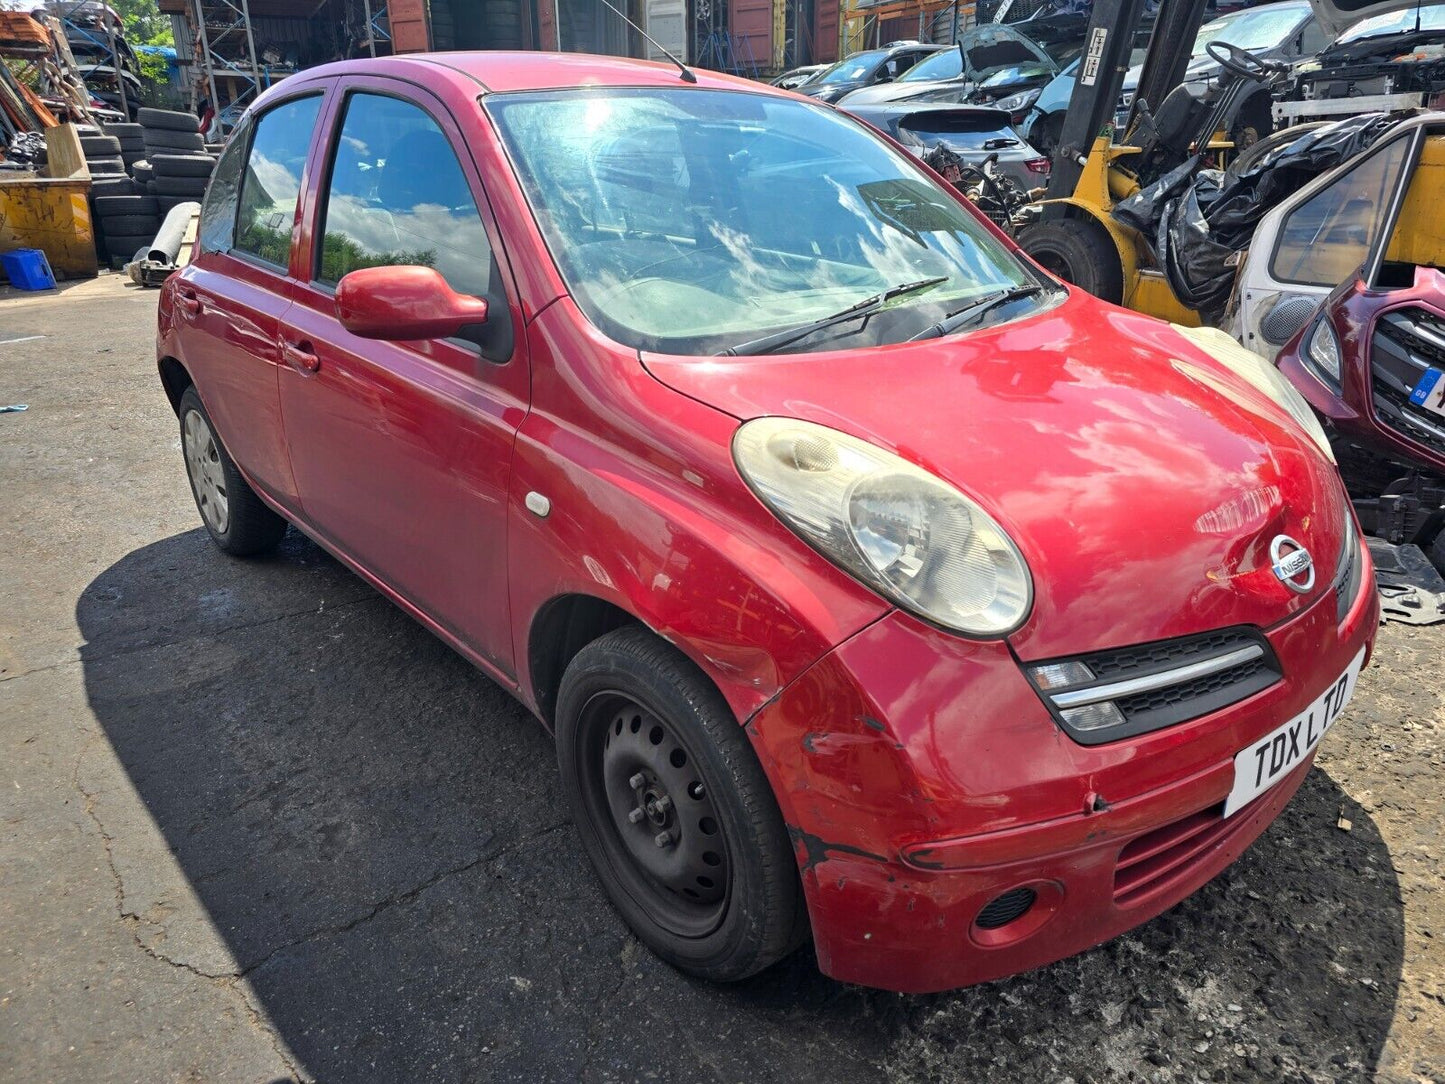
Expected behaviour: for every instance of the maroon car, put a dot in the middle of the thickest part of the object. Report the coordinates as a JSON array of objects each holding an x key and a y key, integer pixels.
[{"x": 1372, "y": 363}]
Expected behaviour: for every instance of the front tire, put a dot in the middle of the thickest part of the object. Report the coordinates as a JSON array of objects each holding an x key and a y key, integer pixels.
[
  {"x": 674, "y": 810},
  {"x": 235, "y": 517}
]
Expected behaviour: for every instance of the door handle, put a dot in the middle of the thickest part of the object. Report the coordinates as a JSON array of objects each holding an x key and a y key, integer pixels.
[
  {"x": 191, "y": 303},
  {"x": 301, "y": 356}
]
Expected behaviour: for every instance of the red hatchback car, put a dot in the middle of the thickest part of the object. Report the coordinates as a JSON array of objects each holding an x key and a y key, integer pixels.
[{"x": 875, "y": 586}]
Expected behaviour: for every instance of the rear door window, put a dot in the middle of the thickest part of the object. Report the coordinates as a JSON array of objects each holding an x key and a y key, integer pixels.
[{"x": 271, "y": 184}]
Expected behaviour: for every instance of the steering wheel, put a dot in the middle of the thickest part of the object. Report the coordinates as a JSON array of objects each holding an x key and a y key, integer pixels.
[{"x": 1242, "y": 62}]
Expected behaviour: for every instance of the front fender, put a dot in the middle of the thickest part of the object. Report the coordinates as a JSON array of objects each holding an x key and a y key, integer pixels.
[{"x": 646, "y": 511}]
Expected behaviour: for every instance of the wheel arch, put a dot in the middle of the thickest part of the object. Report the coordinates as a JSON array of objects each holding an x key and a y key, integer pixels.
[
  {"x": 175, "y": 379},
  {"x": 561, "y": 627}
]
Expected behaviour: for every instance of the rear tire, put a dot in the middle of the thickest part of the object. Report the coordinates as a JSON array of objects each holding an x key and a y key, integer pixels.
[
  {"x": 1079, "y": 251},
  {"x": 235, "y": 517},
  {"x": 640, "y": 728}
]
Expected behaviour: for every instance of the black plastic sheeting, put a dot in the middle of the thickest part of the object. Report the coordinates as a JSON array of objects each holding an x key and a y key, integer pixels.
[{"x": 1200, "y": 219}]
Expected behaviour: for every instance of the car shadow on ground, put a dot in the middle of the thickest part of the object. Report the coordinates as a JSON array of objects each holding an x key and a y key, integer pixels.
[{"x": 376, "y": 832}]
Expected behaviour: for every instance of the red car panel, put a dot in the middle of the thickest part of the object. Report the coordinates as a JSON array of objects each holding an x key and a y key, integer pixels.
[
  {"x": 649, "y": 513},
  {"x": 1146, "y": 512},
  {"x": 906, "y": 738}
]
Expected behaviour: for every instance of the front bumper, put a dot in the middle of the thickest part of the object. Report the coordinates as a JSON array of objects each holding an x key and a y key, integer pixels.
[{"x": 921, "y": 778}]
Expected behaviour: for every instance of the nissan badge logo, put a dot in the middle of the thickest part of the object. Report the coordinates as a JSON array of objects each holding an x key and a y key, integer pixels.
[{"x": 1292, "y": 563}]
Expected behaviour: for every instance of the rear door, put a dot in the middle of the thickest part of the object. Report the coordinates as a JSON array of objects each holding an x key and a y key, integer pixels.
[
  {"x": 402, "y": 450},
  {"x": 231, "y": 297}
]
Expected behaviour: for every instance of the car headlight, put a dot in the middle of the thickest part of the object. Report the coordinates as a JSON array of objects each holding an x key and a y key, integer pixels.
[
  {"x": 893, "y": 526},
  {"x": 1349, "y": 569},
  {"x": 1016, "y": 102},
  {"x": 1264, "y": 376},
  {"x": 1322, "y": 349}
]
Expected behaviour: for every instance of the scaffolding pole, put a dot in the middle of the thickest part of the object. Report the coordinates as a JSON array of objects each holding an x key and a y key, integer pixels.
[
  {"x": 370, "y": 36},
  {"x": 206, "y": 56}
]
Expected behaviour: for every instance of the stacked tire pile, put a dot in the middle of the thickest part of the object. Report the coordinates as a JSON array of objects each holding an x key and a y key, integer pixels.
[
  {"x": 104, "y": 153},
  {"x": 108, "y": 155},
  {"x": 177, "y": 165},
  {"x": 138, "y": 173},
  {"x": 126, "y": 223}
]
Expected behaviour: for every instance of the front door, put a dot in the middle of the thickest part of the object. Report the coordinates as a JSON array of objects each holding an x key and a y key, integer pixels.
[{"x": 402, "y": 450}]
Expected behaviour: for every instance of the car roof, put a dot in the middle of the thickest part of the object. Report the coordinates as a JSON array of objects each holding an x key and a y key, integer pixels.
[{"x": 500, "y": 72}]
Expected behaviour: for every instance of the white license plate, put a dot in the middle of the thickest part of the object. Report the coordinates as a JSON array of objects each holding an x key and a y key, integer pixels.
[
  {"x": 1429, "y": 392},
  {"x": 1275, "y": 755}
]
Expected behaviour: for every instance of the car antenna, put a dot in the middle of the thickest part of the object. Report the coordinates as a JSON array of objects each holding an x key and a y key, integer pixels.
[
  {"x": 1418, "y": 3},
  {"x": 684, "y": 73}
]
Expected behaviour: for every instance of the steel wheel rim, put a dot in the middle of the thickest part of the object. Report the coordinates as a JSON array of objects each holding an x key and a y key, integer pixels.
[
  {"x": 208, "y": 480},
  {"x": 684, "y": 882}
]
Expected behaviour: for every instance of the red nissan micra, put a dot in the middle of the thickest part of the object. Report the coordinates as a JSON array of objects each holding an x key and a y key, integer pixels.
[{"x": 875, "y": 586}]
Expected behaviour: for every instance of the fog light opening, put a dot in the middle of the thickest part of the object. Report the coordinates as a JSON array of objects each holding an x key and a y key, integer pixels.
[
  {"x": 1010, "y": 907},
  {"x": 1016, "y": 914}
]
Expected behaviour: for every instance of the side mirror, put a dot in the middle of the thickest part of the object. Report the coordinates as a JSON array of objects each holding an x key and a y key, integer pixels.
[{"x": 403, "y": 303}]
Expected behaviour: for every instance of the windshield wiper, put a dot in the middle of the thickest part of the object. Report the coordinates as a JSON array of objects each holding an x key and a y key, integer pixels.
[
  {"x": 768, "y": 343},
  {"x": 974, "y": 309}
]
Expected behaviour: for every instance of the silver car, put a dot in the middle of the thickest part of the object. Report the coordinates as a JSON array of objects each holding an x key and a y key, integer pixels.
[{"x": 971, "y": 132}]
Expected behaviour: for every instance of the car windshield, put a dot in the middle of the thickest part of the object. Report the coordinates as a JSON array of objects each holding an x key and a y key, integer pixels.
[
  {"x": 686, "y": 221},
  {"x": 854, "y": 67},
  {"x": 945, "y": 65},
  {"x": 1253, "y": 29},
  {"x": 1395, "y": 22}
]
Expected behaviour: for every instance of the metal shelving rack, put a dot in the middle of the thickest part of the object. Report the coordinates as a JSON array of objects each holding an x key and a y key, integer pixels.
[
  {"x": 227, "y": 49},
  {"x": 378, "y": 28}
]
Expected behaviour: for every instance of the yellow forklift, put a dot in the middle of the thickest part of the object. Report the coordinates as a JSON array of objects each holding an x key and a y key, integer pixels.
[{"x": 1097, "y": 164}]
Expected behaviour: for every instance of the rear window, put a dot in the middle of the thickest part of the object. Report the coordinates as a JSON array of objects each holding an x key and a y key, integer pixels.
[{"x": 959, "y": 130}]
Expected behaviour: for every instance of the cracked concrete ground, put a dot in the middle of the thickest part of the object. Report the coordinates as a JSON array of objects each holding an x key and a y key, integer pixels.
[{"x": 257, "y": 825}]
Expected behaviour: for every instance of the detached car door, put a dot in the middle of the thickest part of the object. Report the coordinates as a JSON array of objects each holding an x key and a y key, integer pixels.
[
  {"x": 229, "y": 301},
  {"x": 402, "y": 450},
  {"x": 1322, "y": 235}
]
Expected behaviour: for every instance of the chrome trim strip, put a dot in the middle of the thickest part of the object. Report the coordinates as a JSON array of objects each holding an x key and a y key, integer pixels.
[{"x": 1079, "y": 698}]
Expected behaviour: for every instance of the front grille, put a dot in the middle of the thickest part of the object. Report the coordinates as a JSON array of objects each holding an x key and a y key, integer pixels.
[
  {"x": 1155, "y": 685},
  {"x": 1165, "y": 654},
  {"x": 1405, "y": 344},
  {"x": 1191, "y": 692},
  {"x": 1160, "y": 859}
]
